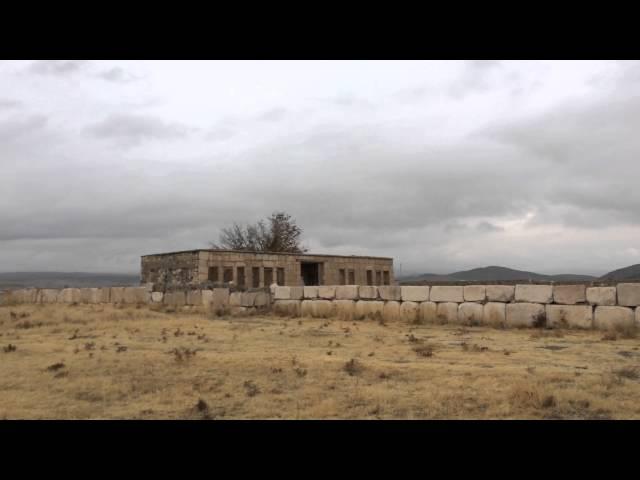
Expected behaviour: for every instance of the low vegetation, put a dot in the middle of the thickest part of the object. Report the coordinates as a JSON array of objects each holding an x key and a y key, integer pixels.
[{"x": 101, "y": 361}]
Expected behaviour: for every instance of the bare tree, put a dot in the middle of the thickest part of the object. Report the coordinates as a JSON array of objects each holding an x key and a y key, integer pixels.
[{"x": 278, "y": 233}]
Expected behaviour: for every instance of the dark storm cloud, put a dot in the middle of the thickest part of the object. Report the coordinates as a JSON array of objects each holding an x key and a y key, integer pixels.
[
  {"x": 57, "y": 67},
  {"x": 132, "y": 129}
]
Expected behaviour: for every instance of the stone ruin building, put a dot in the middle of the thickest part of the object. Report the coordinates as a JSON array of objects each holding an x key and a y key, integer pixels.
[{"x": 260, "y": 269}]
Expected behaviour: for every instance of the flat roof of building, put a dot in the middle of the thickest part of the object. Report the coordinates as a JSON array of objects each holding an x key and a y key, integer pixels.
[{"x": 266, "y": 253}]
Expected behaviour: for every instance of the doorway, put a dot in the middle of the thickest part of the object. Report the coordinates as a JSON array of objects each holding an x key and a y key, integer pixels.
[{"x": 310, "y": 273}]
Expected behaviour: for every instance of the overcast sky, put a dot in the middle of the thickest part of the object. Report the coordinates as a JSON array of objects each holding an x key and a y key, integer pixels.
[{"x": 443, "y": 165}]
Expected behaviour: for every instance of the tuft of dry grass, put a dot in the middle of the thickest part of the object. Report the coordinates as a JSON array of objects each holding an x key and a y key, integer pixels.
[{"x": 102, "y": 362}]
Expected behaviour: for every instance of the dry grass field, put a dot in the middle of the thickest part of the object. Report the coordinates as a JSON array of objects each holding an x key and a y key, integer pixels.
[{"x": 104, "y": 362}]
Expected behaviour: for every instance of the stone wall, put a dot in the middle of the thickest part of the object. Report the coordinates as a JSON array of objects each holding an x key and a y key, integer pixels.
[{"x": 522, "y": 305}]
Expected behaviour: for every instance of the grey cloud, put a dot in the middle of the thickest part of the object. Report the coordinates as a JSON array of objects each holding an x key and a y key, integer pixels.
[
  {"x": 220, "y": 134},
  {"x": 474, "y": 78},
  {"x": 132, "y": 129},
  {"x": 57, "y": 67},
  {"x": 273, "y": 115},
  {"x": 117, "y": 75},
  {"x": 6, "y": 104},
  {"x": 488, "y": 227},
  {"x": 15, "y": 129}
]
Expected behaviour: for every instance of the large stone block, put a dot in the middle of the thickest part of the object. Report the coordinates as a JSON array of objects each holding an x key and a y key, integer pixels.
[
  {"x": 194, "y": 298},
  {"x": 601, "y": 296},
  {"x": 629, "y": 294},
  {"x": 311, "y": 292},
  {"x": 136, "y": 295},
  {"x": 638, "y": 317},
  {"x": 71, "y": 295},
  {"x": 282, "y": 293},
  {"x": 470, "y": 313},
  {"x": 369, "y": 309},
  {"x": 494, "y": 314},
  {"x": 414, "y": 293},
  {"x": 220, "y": 298},
  {"x": 391, "y": 311},
  {"x": 347, "y": 292},
  {"x": 262, "y": 299},
  {"x": 156, "y": 297},
  {"x": 323, "y": 308},
  {"x": 447, "y": 312},
  {"x": 428, "y": 312},
  {"x": 327, "y": 292},
  {"x": 90, "y": 295},
  {"x": 524, "y": 314},
  {"x": 49, "y": 295},
  {"x": 569, "y": 294},
  {"x": 344, "y": 309},
  {"x": 474, "y": 293},
  {"x": 248, "y": 299},
  {"x": 390, "y": 292},
  {"x": 296, "y": 293},
  {"x": 447, "y": 294},
  {"x": 500, "y": 293},
  {"x": 569, "y": 316},
  {"x": 611, "y": 318},
  {"x": 534, "y": 293},
  {"x": 117, "y": 295},
  {"x": 368, "y": 292},
  {"x": 409, "y": 312},
  {"x": 175, "y": 299},
  {"x": 235, "y": 298},
  {"x": 287, "y": 308},
  {"x": 105, "y": 295}
]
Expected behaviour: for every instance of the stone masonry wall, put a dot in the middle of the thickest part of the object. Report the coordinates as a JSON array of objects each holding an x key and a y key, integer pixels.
[{"x": 553, "y": 306}]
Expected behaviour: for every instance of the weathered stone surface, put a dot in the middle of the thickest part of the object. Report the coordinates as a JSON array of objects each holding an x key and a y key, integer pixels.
[
  {"x": 220, "y": 298},
  {"x": 311, "y": 292},
  {"x": 248, "y": 299},
  {"x": 569, "y": 316},
  {"x": 240, "y": 311},
  {"x": 409, "y": 312},
  {"x": 470, "y": 313},
  {"x": 391, "y": 310},
  {"x": 390, "y": 292},
  {"x": 327, "y": 292},
  {"x": 136, "y": 295},
  {"x": 71, "y": 295},
  {"x": 446, "y": 294},
  {"x": 5, "y": 297},
  {"x": 174, "y": 299},
  {"x": 156, "y": 297},
  {"x": 500, "y": 293},
  {"x": 414, "y": 293},
  {"x": 534, "y": 294},
  {"x": 49, "y": 295},
  {"x": 117, "y": 295},
  {"x": 296, "y": 293},
  {"x": 235, "y": 298},
  {"x": 629, "y": 294},
  {"x": 494, "y": 314},
  {"x": 569, "y": 294},
  {"x": 287, "y": 308},
  {"x": 610, "y": 318},
  {"x": 368, "y": 292},
  {"x": 369, "y": 309},
  {"x": 428, "y": 312},
  {"x": 638, "y": 317},
  {"x": 447, "y": 312},
  {"x": 345, "y": 309},
  {"x": 306, "y": 308},
  {"x": 347, "y": 292},
  {"x": 105, "y": 295},
  {"x": 262, "y": 299},
  {"x": 601, "y": 296},
  {"x": 194, "y": 297},
  {"x": 90, "y": 295},
  {"x": 524, "y": 314},
  {"x": 282, "y": 293},
  {"x": 474, "y": 293},
  {"x": 323, "y": 309}
]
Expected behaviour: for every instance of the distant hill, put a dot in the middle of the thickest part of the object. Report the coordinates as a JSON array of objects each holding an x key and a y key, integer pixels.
[
  {"x": 626, "y": 273},
  {"x": 14, "y": 280},
  {"x": 495, "y": 274}
]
